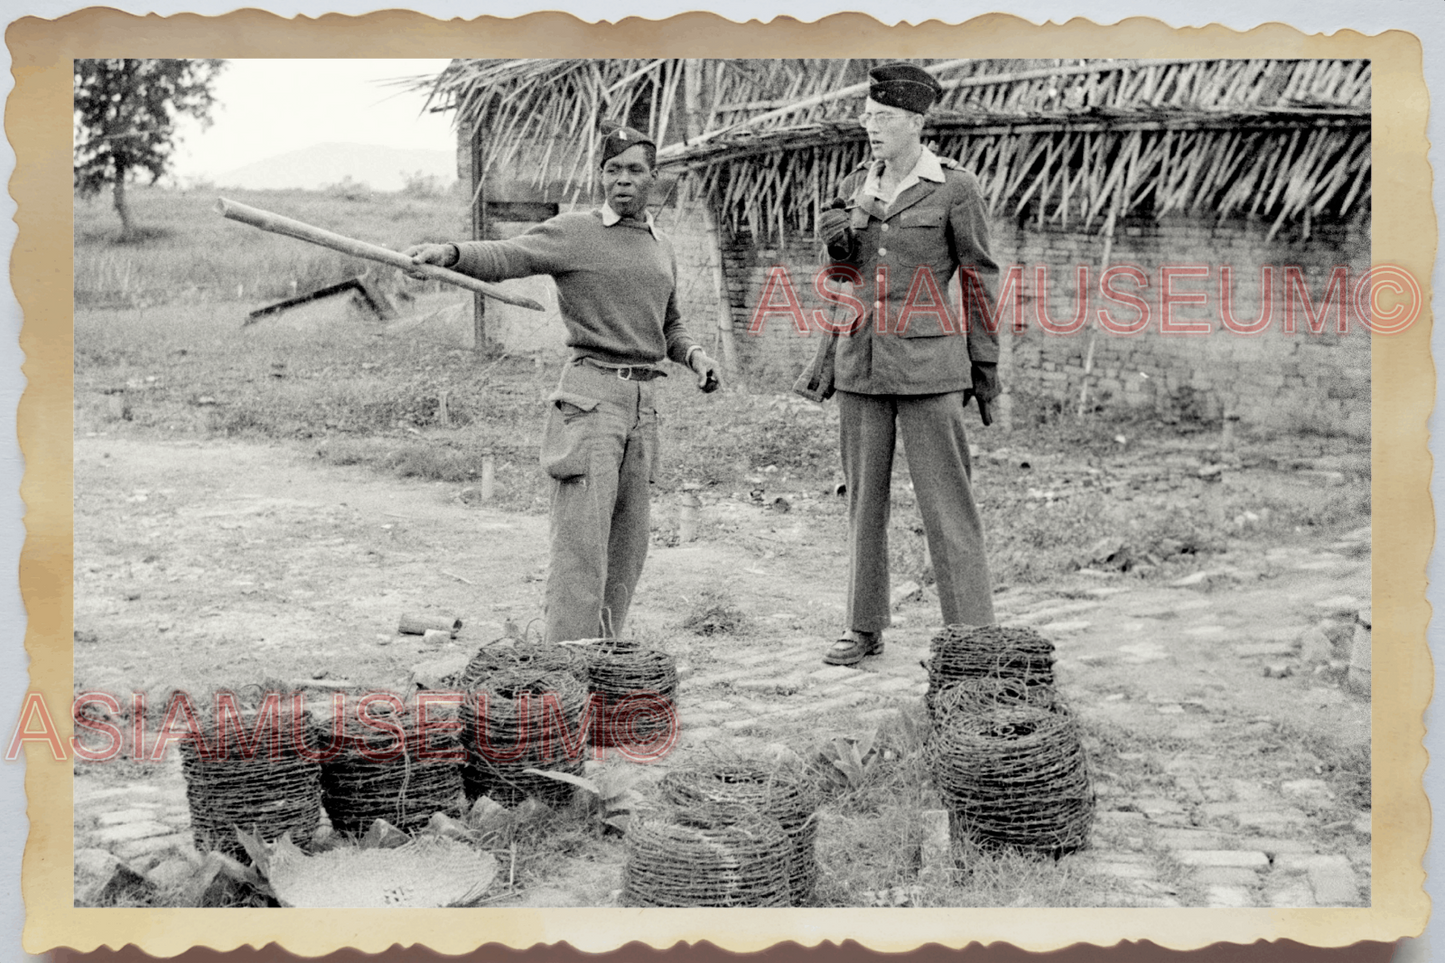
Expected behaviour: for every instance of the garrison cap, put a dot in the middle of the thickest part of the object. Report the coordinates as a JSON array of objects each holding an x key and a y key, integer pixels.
[
  {"x": 901, "y": 84},
  {"x": 618, "y": 139}
]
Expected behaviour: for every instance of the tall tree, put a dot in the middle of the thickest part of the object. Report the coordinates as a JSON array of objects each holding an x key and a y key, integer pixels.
[{"x": 125, "y": 114}]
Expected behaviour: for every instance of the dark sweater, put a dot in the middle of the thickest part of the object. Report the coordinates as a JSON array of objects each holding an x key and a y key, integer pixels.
[{"x": 616, "y": 286}]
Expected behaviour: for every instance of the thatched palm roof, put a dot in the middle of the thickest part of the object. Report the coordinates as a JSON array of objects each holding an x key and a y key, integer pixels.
[{"x": 766, "y": 140}]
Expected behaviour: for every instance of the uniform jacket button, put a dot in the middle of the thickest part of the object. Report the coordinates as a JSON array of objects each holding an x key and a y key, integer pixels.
[{"x": 882, "y": 251}]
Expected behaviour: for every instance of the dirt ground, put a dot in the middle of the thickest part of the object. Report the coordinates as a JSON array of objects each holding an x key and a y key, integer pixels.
[{"x": 218, "y": 563}]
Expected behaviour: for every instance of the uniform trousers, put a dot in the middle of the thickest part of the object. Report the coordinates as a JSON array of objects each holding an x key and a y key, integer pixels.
[
  {"x": 600, "y": 447},
  {"x": 936, "y": 448}
]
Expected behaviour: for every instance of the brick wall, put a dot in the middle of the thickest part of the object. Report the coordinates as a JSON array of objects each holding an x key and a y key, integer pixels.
[{"x": 1276, "y": 379}]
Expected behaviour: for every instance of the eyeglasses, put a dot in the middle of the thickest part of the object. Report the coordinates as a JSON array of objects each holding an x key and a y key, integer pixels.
[{"x": 878, "y": 117}]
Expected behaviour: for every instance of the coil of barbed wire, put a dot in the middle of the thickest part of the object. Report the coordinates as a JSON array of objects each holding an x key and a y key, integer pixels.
[
  {"x": 1014, "y": 653},
  {"x": 783, "y": 793},
  {"x": 638, "y": 687},
  {"x": 980, "y": 693},
  {"x": 706, "y": 854},
  {"x": 532, "y": 656},
  {"x": 274, "y": 792},
  {"x": 524, "y": 718},
  {"x": 376, "y": 774},
  {"x": 1014, "y": 775}
]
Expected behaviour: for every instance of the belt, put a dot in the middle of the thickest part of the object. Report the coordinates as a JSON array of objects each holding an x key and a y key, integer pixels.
[{"x": 627, "y": 372}]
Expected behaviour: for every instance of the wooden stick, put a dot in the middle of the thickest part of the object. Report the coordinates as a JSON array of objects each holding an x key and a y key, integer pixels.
[{"x": 302, "y": 231}]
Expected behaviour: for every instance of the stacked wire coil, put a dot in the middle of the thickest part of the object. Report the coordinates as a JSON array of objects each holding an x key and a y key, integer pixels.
[
  {"x": 707, "y": 854},
  {"x": 778, "y": 793},
  {"x": 259, "y": 782},
  {"x": 522, "y": 655},
  {"x": 1014, "y": 775},
  {"x": 1017, "y": 656},
  {"x": 635, "y": 689},
  {"x": 522, "y": 719},
  {"x": 379, "y": 767}
]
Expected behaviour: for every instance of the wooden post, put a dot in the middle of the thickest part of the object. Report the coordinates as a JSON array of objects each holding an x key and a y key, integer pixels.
[
  {"x": 489, "y": 476},
  {"x": 724, "y": 301},
  {"x": 479, "y": 233}
]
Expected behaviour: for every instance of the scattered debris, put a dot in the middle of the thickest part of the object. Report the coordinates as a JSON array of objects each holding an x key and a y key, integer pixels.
[{"x": 421, "y": 624}]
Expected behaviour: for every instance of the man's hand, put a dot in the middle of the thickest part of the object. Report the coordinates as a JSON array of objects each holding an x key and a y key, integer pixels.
[
  {"x": 985, "y": 388},
  {"x": 833, "y": 227},
  {"x": 442, "y": 255},
  {"x": 709, "y": 374}
]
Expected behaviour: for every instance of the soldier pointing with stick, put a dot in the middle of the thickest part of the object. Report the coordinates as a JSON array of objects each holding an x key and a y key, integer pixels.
[{"x": 616, "y": 277}]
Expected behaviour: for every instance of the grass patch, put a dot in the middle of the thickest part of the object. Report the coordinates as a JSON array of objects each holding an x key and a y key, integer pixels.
[
  {"x": 160, "y": 346},
  {"x": 714, "y": 612}
]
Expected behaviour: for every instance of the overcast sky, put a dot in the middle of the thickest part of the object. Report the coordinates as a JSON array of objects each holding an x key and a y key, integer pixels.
[{"x": 268, "y": 107}]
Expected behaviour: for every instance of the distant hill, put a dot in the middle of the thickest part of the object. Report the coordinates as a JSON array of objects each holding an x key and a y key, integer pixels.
[{"x": 380, "y": 168}]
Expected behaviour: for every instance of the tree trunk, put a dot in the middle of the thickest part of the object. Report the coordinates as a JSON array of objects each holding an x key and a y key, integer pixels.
[{"x": 121, "y": 206}]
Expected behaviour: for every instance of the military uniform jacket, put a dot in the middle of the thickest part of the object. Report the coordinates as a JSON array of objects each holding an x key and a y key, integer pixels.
[{"x": 941, "y": 228}]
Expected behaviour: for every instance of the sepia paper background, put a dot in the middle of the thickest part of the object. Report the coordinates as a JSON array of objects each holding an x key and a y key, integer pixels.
[{"x": 1404, "y": 232}]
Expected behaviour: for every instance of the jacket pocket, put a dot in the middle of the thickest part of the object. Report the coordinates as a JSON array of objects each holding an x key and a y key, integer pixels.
[
  {"x": 566, "y": 441},
  {"x": 920, "y": 219}
]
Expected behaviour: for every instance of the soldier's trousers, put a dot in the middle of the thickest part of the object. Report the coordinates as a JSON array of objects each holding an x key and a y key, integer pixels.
[
  {"x": 936, "y": 448},
  {"x": 600, "y": 447}
]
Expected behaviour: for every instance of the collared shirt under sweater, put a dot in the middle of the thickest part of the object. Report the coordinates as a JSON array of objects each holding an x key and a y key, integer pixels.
[{"x": 616, "y": 283}]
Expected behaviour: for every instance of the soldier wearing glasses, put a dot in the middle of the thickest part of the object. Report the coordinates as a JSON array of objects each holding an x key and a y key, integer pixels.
[
  {"x": 905, "y": 214},
  {"x": 616, "y": 277}
]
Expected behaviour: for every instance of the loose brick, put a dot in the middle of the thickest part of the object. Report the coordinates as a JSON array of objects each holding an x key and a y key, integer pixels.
[
  {"x": 1271, "y": 818},
  {"x": 1295, "y": 893},
  {"x": 171, "y": 873},
  {"x": 1232, "y": 897},
  {"x": 122, "y": 816},
  {"x": 1222, "y": 857},
  {"x": 1275, "y": 846},
  {"x": 1333, "y": 881},
  {"x": 126, "y": 832},
  {"x": 1227, "y": 876},
  {"x": 1190, "y": 839}
]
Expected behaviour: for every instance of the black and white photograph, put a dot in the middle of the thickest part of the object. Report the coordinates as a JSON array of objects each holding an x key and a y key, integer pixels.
[{"x": 723, "y": 483}]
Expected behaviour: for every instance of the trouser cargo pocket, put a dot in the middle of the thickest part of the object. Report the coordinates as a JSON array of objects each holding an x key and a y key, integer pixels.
[{"x": 566, "y": 442}]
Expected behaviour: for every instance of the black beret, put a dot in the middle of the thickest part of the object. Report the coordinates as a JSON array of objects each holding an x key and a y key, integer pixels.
[
  {"x": 901, "y": 84},
  {"x": 620, "y": 139}
]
